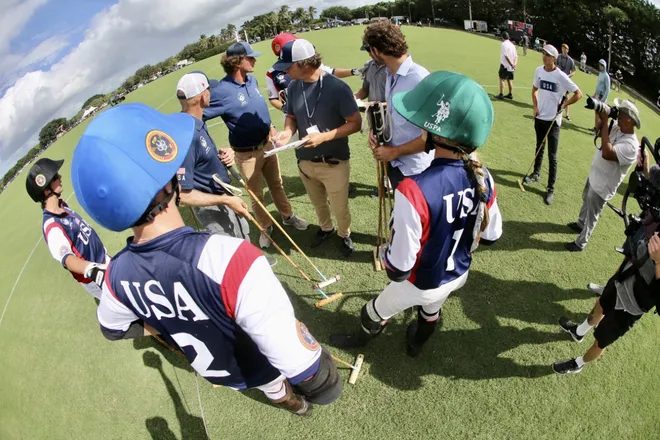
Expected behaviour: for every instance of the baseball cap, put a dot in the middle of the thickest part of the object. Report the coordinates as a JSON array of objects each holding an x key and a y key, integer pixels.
[
  {"x": 124, "y": 158},
  {"x": 602, "y": 62},
  {"x": 39, "y": 177},
  {"x": 551, "y": 50},
  {"x": 629, "y": 108},
  {"x": 450, "y": 105},
  {"x": 294, "y": 51},
  {"x": 242, "y": 48},
  {"x": 191, "y": 85},
  {"x": 280, "y": 40}
]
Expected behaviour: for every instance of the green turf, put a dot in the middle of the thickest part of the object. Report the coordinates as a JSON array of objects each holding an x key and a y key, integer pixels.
[{"x": 485, "y": 375}]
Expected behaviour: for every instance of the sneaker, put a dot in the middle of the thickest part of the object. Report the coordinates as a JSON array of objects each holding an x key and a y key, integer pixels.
[
  {"x": 566, "y": 367},
  {"x": 320, "y": 237},
  {"x": 571, "y": 328},
  {"x": 596, "y": 288},
  {"x": 509, "y": 96},
  {"x": 500, "y": 96},
  {"x": 572, "y": 247},
  {"x": 299, "y": 223},
  {"x": 349, "y": 340},
  {"x": 264, "y": 238},
  {"x": 575, "y": 226},
  {"x": 549, "y": 197},
  {"x": 347, "y": 246},
  {"x": 352, "y": 190},
  {"x": 532, "y": 178}
]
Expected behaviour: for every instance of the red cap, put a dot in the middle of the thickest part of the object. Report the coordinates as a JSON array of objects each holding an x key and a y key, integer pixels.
[{"x": 280, "y": 40}]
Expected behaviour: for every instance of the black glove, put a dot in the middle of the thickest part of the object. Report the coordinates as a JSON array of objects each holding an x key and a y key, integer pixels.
[{"x": 96, "y": 272}]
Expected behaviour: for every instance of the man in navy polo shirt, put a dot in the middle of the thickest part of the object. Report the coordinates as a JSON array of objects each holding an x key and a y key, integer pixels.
[
  {"x": 216, "y": 210},
  {"x": 237, "y": 100}
]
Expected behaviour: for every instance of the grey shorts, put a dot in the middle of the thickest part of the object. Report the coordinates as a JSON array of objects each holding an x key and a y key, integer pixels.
[{"x": 222, "y": 220}]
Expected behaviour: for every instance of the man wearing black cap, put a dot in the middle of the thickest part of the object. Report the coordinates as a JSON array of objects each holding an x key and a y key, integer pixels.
[
  {"x": 236, "y": 98},
  {"x": 71, "y": 241},
  {"x": 374, "y": 77}
]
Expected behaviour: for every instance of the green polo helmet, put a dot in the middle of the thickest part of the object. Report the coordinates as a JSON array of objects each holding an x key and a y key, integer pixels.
[{"x": 449, "y": 105}]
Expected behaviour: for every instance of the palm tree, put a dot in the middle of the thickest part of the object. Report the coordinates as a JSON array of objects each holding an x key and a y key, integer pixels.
[
  {"x": 311, "y": 11},
  {"x": 614, "y": 16}
]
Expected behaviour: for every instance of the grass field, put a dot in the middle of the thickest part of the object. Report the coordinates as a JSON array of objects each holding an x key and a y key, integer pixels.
[{"x": 485, "y": 375}]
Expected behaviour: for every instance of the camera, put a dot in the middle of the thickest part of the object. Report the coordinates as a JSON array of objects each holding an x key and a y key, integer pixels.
[{"x": 598, "y": 106}]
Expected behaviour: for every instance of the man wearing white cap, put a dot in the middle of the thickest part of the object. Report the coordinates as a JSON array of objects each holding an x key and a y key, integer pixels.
[
  {"x": 602, "y": 88},
  {"x": 322, "y": 109},
  {"x": 548, "y": 95},
  {"x": 610, "y": 164},
  {"x": 214, "y": 207}
]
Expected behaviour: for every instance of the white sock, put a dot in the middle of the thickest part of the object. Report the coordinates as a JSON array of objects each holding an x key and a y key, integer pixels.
[
  {"x": 579, "y": 361},
  {"x": 583, "y": 328}
]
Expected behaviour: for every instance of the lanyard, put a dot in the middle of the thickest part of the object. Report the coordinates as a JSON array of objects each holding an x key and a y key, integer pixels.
[{"x": 318, "y": 97}]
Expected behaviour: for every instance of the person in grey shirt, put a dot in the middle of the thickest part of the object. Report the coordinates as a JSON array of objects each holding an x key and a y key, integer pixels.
[
  {"x": 404, "y": 150},
  {"x": 374, "y": 76},
  {"x": 322, "y": 109},
  {"x": 566, "y": 65}
]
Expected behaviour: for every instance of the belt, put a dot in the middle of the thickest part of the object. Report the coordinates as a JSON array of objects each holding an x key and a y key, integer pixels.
[
  {"x": 251, "y": 148},
  {"x": 325, "y": 159}
]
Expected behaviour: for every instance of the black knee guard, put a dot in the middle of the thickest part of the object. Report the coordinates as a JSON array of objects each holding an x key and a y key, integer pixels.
[
  {"x": 425, "y": 328},
  {"x": 325, "y": 386},
  {"x": 371, "y": 322}
]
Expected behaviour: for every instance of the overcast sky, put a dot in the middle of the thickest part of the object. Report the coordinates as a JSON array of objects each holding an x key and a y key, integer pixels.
[{"x": 54, "y": 54}]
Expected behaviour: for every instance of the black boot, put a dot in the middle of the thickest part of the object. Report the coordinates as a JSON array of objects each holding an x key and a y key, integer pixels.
[
  {"x": 369, "y": 328},
  {"x": 418, "y": 332}
]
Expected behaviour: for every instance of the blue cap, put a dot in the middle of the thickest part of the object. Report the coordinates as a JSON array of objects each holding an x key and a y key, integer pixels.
[
  {"x": 124, "y": 158},
  {"x": 242, "y": 48}
]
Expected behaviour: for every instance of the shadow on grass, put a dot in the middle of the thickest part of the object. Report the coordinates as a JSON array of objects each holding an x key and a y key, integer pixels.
[
  {"x": 192, "y": 427},
  {"x": 513, "y": 102},
  {"x": 472, "y": 354},
  {"x": 510, "y": 179},
  {"x": 521, "y": 235}
]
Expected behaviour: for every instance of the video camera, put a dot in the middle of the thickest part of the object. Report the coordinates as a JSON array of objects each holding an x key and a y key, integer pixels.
[{"x": 645, "y": 190}]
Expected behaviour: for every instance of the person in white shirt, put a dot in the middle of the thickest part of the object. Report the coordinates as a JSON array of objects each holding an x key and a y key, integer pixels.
[
  {"x": 508, "y": 61},
  {"x": 548, "y": 95},
  {"x": 618, "y": 151}
]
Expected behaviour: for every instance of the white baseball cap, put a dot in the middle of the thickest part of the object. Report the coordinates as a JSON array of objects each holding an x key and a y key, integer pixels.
[
  {"x": 602, "y": 62},
  {"x": 629, "y": 108},
  {"x": 551, "y": 50},
  {"x": 191, "y": 85},
  {"x": 292, "y": 52}
]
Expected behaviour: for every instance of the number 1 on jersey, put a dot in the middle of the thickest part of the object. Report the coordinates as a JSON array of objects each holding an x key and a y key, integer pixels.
[{"x": 450, "y": 261}]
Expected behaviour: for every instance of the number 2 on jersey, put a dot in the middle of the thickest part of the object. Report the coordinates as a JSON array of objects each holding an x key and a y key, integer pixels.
[{"x": 203, "y": 358}]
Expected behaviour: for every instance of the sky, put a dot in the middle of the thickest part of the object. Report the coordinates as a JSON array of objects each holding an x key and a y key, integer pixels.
[{"x": 54, "y": 54}]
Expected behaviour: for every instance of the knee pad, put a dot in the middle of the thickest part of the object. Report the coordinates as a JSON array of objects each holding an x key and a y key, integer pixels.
[
  {"x": 370, "y": 320},
  {"x": 325, "y": 386}
]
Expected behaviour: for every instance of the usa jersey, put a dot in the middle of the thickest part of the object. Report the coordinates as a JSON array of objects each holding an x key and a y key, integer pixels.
[
  {"x": 432, "y": 224},
  {"x": 68, "y": 234},
  {"x": 218, "y": 299}
]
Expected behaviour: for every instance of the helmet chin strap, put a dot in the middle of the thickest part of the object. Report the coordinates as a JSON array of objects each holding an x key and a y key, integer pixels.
[{"x": 148, "y": 216}]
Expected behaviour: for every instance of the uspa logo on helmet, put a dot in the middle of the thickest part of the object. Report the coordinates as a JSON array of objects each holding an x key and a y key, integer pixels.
[
  {"x": 40, "y": 180},
  {"x": 161, "y": 146}
]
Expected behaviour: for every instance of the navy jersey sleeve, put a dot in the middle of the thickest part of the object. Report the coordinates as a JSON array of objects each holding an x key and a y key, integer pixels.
[
  {"x": 187, "y": 170},
  {"x": 215, "y": 108}
]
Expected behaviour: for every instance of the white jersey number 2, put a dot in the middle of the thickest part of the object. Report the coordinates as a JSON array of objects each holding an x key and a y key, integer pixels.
[
  {"x": 203, "y": 358},
  {"x": 450, "y": 261}
]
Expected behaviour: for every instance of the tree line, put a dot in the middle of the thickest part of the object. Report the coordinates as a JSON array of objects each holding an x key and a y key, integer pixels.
[{"x": 628, "y": 29}]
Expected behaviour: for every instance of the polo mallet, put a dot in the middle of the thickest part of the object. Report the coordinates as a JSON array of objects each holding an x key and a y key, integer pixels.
[
  {"x": 539, "y": 147},
  {"x": 377, "y": 117},
  {"x": 324, "y": 280},
  {"x": 355, "y": 368},
  {"x": 318, "y": 286}
]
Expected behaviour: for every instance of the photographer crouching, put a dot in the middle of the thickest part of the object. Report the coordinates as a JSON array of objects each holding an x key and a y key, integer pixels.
[
  {"x": 635, "y": 287},
  {"x": 618, "y": 150}
]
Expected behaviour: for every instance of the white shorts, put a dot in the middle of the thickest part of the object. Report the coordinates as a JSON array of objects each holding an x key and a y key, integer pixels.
[{"x": 397, "y": 297}]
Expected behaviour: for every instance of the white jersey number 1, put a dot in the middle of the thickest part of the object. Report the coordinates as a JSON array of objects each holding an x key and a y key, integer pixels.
[{"x": 450, "y": 261}]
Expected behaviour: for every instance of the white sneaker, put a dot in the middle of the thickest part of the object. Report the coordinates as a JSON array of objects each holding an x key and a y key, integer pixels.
[
  {"x": 264, "y": 238},
  {"x": 297, "y": 222}
]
